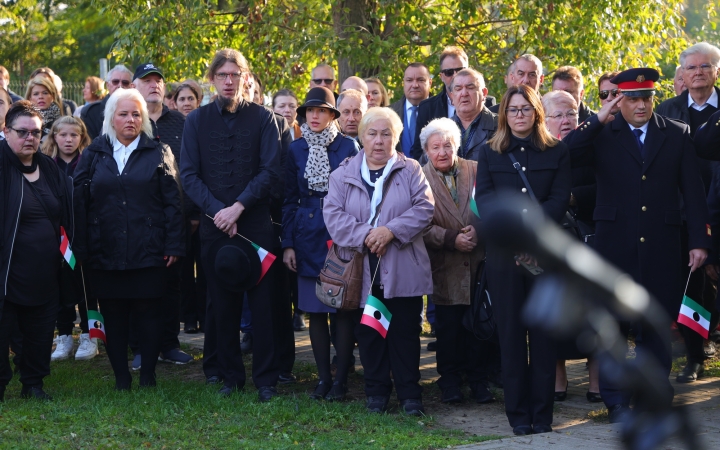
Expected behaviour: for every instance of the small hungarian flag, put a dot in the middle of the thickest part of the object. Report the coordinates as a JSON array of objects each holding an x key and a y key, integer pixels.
[
  {"x": 694, "y": 316},
  {"x": 266, "y": 259},
  {"x": 376, "y": 315},
  {"x": 65, "y": 248},
  {"x": 96, "y": 325},
  {"x": 473, "y": 205}
]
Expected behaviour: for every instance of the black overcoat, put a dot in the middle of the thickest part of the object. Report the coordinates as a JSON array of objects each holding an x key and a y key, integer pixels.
[{"x": 638, "y": 207}]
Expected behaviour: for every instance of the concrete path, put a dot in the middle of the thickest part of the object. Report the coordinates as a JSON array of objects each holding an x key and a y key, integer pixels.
[{"x": 573, "y": 429}]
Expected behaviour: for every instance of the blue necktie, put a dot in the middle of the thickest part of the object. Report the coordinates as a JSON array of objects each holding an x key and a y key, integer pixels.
[
  {"x": 412, "y": 121},
  {"x": 638, "y": 132}
]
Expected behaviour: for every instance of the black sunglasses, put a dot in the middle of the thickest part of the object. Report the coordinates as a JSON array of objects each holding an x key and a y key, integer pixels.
[
  {"x": 604, "y": 94},
  {"x": 451, "y": 72},
  {"x": 322, "y": 80},
  {"x": 117, "y": 81}
]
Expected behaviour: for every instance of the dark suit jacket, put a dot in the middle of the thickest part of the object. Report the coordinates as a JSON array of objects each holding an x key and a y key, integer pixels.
[
  {"x": 707, "y": 138},
  {"x": 584, "y": 113},
  {"x": 399, "y": 108},
  {"x": 486, "y": 129},
  {"x": 677, "y": 107},
  {"x": 638, "y": 214}
]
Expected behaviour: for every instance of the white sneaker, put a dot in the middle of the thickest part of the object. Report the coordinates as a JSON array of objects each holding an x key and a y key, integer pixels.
[
  {"x": 63, "y": 348},
  {"x": 88, "y": 348}
]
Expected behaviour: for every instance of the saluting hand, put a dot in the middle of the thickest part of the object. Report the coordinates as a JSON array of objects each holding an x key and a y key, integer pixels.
[
  {"x": 697, "y": 258},
  {"x": 604, "y": 115}
]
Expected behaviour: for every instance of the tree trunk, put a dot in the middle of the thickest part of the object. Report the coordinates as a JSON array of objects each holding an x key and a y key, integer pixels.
[{"x": 349, "y": 16}]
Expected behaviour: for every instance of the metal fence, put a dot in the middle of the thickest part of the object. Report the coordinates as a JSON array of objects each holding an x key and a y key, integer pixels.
[{"x": 72, "y": 90}]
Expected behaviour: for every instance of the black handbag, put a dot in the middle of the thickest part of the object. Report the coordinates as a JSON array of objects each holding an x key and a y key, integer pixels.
[{"x": 479, "y": 318}]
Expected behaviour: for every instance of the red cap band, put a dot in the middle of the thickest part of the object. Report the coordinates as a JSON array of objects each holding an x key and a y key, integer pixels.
[{"x": 634, "y": 85}]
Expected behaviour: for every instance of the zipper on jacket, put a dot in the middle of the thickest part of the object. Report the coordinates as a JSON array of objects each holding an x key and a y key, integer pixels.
[{"x": 17, "y": 222}]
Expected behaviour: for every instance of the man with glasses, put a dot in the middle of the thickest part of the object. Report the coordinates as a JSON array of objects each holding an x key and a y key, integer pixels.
[
  {"x": 570, "y": 80},
  {"x": 694, "y": 106},
  {"x": 416, "y": 88},
  {"x": 608, "y": 91},
  {"x": 645, "y": 167},
  {"x": 230, "y": 167},
  {"x": 323, "y": 75},
  {"x": 94, "y": 113}
]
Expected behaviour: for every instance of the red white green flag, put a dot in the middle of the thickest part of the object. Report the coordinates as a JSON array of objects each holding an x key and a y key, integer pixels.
[
  {"x": 96, "y": 325},
  {"x": 694, "y": 316},
  {"x": 473, "y": 205},
  {"x": 65, "y": 248},
  {"x": 266, "y": 260},
  {"x": 376, "y": 315}
]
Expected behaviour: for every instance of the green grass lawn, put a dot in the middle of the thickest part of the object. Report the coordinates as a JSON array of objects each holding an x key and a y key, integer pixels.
[{"x": 182, "y": 412}]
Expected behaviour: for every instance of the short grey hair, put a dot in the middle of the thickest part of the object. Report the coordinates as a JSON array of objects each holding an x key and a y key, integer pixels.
[
  {"x": 446, "y": 128},
  {"x": 111, "y": 107},
  {"x": 702, "y": 48},
  {"x": 119, "y": 68},
  {"x": 357, "y": 95},
  {"x": 553, "y": 98},
  {"x": 531, "y": 58},
  {"x": 479, "y": 79}
]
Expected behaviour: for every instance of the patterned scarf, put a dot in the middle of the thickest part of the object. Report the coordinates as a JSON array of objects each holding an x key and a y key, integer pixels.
[
  {"x": 49, "y": 116},
  {"x": 317, "y": 169},
  {"x": 450, "y": 180}
]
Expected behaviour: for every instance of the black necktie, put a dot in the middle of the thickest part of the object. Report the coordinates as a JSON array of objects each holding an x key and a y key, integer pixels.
[{"x": 638, "y": 132}]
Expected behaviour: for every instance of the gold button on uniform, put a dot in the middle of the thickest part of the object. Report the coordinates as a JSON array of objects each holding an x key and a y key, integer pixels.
[
  {"x": 522, "y": 149},
  {"x": 642, "y": 239},
  {"x": 524, "y": 190},
  {"x": 644, "y": 178},
  {"x": 310, "y": 215},
  {"x": 644, "y": 208},
  {"x": 523, "y": 169}
]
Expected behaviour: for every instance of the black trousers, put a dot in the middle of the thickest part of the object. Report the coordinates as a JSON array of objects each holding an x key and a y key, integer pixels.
[
  {"x": 221, "y": 354},
  {"x": 194, "y": 284},
  {"x": 399, "y": 352},
  {"x": 67, "y": 315},
  {"x": 529, "y": 386},
  {"x": 147, "y": 315},
  {"x": 37, "y": 326},
  {"x": 283, "y": 314},
  {"x": 458, "y": 351},
  {"x": 170, "y": 314}
]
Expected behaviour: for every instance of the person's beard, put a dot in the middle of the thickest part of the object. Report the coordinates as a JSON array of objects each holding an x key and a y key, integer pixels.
[{"x": 229, "y": 104}]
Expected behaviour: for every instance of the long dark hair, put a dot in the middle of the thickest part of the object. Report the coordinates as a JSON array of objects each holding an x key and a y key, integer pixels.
[{"x": 540, "y": 136}]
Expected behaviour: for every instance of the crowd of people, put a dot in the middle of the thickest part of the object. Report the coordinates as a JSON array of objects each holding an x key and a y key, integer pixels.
[{"x": 171, "y": 205}]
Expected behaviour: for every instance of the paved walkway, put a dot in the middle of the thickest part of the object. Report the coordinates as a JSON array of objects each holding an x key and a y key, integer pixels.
[{"x": 573, "y": 428}]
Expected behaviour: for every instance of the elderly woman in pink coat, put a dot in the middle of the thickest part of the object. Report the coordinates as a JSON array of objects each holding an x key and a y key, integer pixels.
[{"x": 379, "y": 203}]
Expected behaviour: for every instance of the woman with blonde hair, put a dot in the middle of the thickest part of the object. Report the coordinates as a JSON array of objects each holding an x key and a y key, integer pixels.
[
  {"x": 44, "y": 96},
  {"x": 522, "y": 157},
  {"x": 377, "y": 94},
  {"x": 94, "y": 91}
]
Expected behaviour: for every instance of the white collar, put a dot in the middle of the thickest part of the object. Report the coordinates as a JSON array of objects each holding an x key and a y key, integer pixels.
[
  {"x": 644, "y": 128},
  {"x": 408, "y": 105},
  {"x": 712, "y": 101},
  {"x": 117, "y": 146}
]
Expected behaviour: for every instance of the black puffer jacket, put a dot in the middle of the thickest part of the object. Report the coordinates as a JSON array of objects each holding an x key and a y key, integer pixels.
[{"x": 129, "y": 220}]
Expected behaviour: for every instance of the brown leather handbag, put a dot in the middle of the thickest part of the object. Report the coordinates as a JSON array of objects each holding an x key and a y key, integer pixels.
[{"x": 340, "y": 282}]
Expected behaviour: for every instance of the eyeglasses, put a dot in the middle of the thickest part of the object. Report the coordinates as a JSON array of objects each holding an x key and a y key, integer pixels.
[
  {"x": 223, "y": 76},
  {"x": 604, "y": 94},
  {"x": 451, "y": 72},
  {"x": 702, "y": 67},
  {"x": 22, "y": 134},
  {"x": 526, "y": 111},
  {"x": 572, "y": 115},
  {"x": 322, "y": 80},
  {"x": 117, "y": 81}
]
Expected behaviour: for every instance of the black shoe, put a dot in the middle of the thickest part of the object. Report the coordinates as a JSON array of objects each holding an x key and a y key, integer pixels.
[
  {"x": 337, "y": 392},
  {"x": 227, "y": 391},
  {"x": 495, "y": 378},
  {"x": 709, "y": 349},
  {"x": 593, "y": 397},
  {"x": 213, "y": 380},
  {"x": 299, "y": 322},
  {"x": 266, "y": 393},
  {"x": 412, "y": 407},
  {"x": 481, "y": 394},
  {"x": 191, "y": 329},
  {"x": 690, "y": 373},
  {"x": 561, "y": 396},
  {"x": 618, "y": 413},
  {"x": 522, "y": 430},
  {"x": 432, "y": 346},
  {"x": 538, "y": 429},
  {"x": 377, "y": 404},
  {"x": 34, "y": 392},
  {"x": 286, "y": 378},
  {"x": 451, "y": 394},
  {"x": 321, "y": 390},
  {"x": 246, "y": 343},
  {"x": 123, "y": 385}
]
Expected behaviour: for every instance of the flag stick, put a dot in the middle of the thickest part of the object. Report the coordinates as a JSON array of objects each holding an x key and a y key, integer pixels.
[
  {"x": 82, "y": 275},
  {"x": 238, "y": 234},
  {"x": 373, "y": 278},
  {"x": 687, "y": 283}
]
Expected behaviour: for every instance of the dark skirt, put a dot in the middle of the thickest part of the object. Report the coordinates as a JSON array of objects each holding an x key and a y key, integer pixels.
[
  {"x": 148, "y": 282},
  {"x": 307, "y": 300}
]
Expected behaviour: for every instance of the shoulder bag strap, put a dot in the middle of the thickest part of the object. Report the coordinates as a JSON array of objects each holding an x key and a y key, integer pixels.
[{"x": 525, "y": 181}]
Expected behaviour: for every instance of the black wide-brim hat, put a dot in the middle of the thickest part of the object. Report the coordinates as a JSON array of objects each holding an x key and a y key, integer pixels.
[
  {"x": 319, "y": 97},
  {"x": 235, "y": 263}
]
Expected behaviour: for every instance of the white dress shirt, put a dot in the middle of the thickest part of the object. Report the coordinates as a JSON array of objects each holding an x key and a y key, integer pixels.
[
  {"x": 713, "y": 100},
  {"x": 122, "y": 153},
  {"x": 643, "y": 128},
  {"x": 451, "y": 108}
]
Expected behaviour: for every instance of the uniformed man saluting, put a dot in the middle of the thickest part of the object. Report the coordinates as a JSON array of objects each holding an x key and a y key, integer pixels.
[{"x": 645, "y": 166}]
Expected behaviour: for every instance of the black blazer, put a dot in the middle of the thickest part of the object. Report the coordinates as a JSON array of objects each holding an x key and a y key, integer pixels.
[
  {"x": 638, "y": 212},
  {"x": 707, "y": 138}
]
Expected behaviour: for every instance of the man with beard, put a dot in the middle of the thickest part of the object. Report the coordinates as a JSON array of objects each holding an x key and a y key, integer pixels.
[{"x": 229, "y": 167}]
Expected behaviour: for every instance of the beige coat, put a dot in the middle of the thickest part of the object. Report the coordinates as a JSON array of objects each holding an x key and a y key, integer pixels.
[{"x": 453, "y": 271}]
